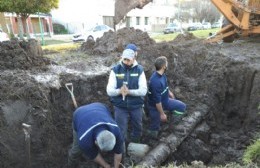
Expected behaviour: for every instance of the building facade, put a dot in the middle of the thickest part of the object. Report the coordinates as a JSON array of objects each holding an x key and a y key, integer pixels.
[
  {"x": 35, "y": 24},
  {"x": 85, "y": 14}
]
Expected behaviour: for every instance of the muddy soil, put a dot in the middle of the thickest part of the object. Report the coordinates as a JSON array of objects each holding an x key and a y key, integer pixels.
[{"x": 222, "y": 79}]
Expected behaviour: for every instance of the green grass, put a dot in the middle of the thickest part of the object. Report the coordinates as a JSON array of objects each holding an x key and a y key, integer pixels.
[
  {"x": 204, "y": 33},
  {"x": 51, "y": 42},
  {"x": 164, "y": 37},
  {"x": 59, "y": 47},
  {"x": 198, "y": 33},
  {"x": 252, "y": 153}
]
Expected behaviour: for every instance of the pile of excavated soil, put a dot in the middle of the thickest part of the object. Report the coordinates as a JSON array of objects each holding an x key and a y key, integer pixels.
[
  {"x": 21, "y": 55},
  {"x": 222, "y": 79},
  {"x": 116, "y": 41},
  {"x": 185, "y": 36}
]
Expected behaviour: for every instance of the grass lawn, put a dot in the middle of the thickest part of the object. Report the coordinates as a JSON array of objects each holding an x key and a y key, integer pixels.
[
  {"x": 198, "y": 33},
  {"x": 58, "y": 47},
  {"x": 53, "y": 41}
]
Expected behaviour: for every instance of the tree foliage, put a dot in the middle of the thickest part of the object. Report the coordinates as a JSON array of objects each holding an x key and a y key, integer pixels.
[
  {"x": 199, "y": 10},
  {"x": 24, "y": 8},
  {"x": 27, "y": 7}
]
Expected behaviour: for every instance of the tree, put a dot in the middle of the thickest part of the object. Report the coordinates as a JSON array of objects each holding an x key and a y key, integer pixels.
[
  {"x": 24, "y": 8},
  {"x": 199, "y": 10}
]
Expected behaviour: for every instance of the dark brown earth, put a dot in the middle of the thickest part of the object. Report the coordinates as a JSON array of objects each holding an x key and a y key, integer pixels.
[{"x": 221, "y": 79}]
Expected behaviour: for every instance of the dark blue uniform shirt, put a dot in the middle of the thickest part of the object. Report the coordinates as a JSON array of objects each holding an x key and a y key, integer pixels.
[
  {"x": 91, "y": 119},
  {"x": 158, "y": 90}
]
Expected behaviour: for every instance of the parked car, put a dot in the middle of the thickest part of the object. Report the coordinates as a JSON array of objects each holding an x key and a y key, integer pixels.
[
  {"x": 94, "y": 33},
  {"x": 206, "y": 25},
  {"x": 216, "y": 25},
  {"x": 195, "y": 26},
  {"x": 3, "y": 36},
  {"x": 171, "y": 28}
]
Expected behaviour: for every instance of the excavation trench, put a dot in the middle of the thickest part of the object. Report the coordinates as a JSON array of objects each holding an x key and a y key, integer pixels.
[{"x": 218, "y": 81}]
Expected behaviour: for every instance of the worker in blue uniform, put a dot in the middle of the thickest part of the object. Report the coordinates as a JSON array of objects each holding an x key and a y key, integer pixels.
[
  {"x": 127, "y": 87},
  {"x": 95, "y": 130},
  {"x": 161, "y": 99}
]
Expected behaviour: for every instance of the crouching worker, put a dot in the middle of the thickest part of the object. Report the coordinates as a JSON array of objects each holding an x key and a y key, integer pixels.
[
  {"x": 160, "y": 98},
  {"x": 94, "y": 130}
]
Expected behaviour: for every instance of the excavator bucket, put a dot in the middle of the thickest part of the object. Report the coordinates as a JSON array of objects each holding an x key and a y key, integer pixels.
[{"x": 122, "y": 7}]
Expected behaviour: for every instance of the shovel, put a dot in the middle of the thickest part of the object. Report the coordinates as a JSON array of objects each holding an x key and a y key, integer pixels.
[
  {"x": 27, "y": 132},
  {"x": 69, "y": 87}
]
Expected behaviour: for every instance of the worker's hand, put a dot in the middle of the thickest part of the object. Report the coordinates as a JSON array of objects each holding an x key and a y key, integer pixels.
[
  {"x": 124, "y": 90},
  {"x": 163, "y": 117}
]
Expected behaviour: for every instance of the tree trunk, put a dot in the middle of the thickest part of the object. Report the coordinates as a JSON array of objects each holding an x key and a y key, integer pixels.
[
  {"x": 20, "y": 27},
  {"x": 170, "y": 143},
  {"x": 26, "y": 26}
]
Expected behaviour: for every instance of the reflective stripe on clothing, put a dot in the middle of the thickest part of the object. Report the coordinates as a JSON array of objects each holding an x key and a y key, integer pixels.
[
  {"x": 165, "y": 90},
  {"x": 87, "y": 131}
]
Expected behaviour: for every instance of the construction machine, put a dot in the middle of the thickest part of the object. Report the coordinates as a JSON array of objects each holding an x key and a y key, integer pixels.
[{"x": 242, "y": 18}]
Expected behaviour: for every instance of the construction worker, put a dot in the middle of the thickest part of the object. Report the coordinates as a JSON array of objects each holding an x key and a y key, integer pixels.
[
  {"x": 127, "y": 87},
  {"x": 160, "y": 98},
  {"x": 94, "y": 130}
]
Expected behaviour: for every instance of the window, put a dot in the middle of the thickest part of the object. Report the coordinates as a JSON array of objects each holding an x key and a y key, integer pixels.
[
  {"x": 128, "y": 21},
  {"x": 146, "y": 19},
  {"x": 137, "y": 20}
]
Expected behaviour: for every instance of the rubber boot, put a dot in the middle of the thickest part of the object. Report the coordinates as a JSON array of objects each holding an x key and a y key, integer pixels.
[{"x": 177, "y": 117}]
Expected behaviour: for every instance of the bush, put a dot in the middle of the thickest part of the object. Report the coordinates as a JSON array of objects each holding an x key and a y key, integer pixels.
[{"x": 59, "y": 29}]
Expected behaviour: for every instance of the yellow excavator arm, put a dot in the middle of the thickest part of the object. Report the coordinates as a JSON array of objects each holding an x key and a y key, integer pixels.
[{"x": 242, "y": 19}]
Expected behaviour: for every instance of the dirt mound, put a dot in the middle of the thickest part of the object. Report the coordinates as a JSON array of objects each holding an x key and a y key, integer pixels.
[
  {"x": 184, "y": 37},
  {"x": 116, "y": 41},
  {"x": 16, "y": 54}
]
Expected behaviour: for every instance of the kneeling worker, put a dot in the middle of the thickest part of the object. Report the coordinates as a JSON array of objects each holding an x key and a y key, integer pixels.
[{"x": 94, "y": 130}]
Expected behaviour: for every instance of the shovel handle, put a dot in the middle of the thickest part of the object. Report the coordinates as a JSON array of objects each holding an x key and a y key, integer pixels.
[
  {"x": 124, "y": 85},
  {"x": 27, "y": 130},
  {"x": 74, "y": 102},
  {"x": 69, "y": 87}
]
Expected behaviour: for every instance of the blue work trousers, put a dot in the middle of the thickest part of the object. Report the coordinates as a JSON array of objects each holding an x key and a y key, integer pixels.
[
  {"x": 75, "y": 152},
  {"x": 123, "y": 115},
  {"x": 173, "y": 105}
]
